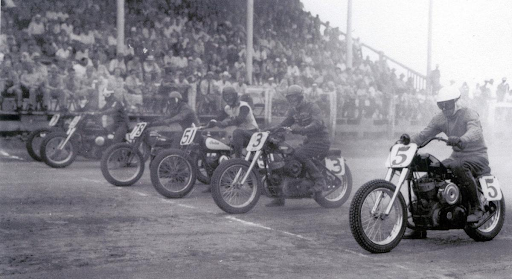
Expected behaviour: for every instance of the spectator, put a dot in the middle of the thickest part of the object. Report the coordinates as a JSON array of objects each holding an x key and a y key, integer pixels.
[
  {"x": 117, "y": 62},
  {"x": 88, "y": 90},
  {"x": 10, "y": 84},
  {"x": 150, "y": 67},
  {"x": 135, "y": 65},
  {"x": 54, "y": 88},
  {"x": 133, "y": 91},
  {"x": 116, "y": 83},
  {"x": 502, "y": 90},
  {"x": 210, "y": 95},
  {"x": 32, "y": 84}
]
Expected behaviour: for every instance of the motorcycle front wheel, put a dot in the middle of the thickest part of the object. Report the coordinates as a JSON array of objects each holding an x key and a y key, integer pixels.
[
  {"x": 172, "y": 173},
  {"x": 34, "y": 140},
  {"x": 488, "y": 230},
  {"x": 227, "y": 190},
  {"x": 372, "y": 229},
  {"x": 121, "y": 166},
  {"x": 338, "y": 197},
  {"x": 58, "y": 158}
]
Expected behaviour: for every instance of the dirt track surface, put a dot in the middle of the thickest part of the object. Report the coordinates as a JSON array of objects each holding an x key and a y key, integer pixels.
[{"x": 70, "y": 223}]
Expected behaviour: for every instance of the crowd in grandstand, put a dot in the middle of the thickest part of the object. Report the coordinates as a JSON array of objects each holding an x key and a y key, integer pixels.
[{"x": 59, "y": 54}]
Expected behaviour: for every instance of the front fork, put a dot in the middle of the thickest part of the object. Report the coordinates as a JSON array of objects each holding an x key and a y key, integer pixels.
[
  {"x": 404, "y": 173},
  {"x": 253, "y": 162},
  {"x": 70, "y": 134}
]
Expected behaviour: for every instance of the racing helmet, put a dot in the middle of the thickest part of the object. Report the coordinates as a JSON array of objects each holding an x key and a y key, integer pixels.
[
  {"x": 295, "y": 95},
  {"x": 174, "y": 98},
  {"x": 447, "y": 97},
  {"x": 229, "y": 95}
]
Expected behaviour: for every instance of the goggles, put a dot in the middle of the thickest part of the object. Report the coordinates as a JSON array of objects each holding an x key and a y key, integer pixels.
[{"x": 447, "y": 105}]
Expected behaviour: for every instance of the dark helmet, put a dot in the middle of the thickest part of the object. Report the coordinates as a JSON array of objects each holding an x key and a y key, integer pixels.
[
  {"x": 229, "y": 95},
  {"x": 295, "y": 90},
  {"x": 174, "y": 98},
  {"x": 295, "y": 95}
]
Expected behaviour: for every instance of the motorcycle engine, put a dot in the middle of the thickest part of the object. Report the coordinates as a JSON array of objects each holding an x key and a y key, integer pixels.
[
  {"x": 293, "y": 168},
  {"x": 437, "y": 204}
]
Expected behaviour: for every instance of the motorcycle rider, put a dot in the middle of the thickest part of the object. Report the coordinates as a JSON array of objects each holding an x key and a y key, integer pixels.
[
  {"x": 116, "y": 110},
  {"x": 305, "y": 118},
  {"x": 469, "y": 157},
  {"x": 181, "y": 113},
  {"x": 236, "y": 113}
]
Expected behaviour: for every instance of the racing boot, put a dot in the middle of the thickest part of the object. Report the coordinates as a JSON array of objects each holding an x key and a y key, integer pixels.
[
  {"x": 415, "y": 234},
  {"x": 317, "y": 177},
  {"x": 276, "y": 202},
  {"x": 468, "y": 181}
]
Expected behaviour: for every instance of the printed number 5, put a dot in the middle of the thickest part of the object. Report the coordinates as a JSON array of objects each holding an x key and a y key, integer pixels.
[
  {"x": 403, "y": 157},
  {"x": 492, "y": 192}
]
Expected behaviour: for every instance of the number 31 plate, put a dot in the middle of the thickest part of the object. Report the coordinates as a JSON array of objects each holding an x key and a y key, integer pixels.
[{"x": 491, "y": 188}]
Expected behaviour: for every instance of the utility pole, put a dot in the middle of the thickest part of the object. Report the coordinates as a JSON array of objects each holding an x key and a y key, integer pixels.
[
  {"x": 120, "y": 26},
  {"x": 249, "y": 45},
  {"x": 349, "y": 34},
  {"x": 429, "y": 47}
]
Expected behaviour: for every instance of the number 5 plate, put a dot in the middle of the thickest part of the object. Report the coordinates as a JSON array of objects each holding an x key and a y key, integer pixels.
[
  {"x": 401, "y": 155},
  {"x": 188, "y": 136},
  {"x": 491, "y": 188},
  {"x": 257, "y": 141}
]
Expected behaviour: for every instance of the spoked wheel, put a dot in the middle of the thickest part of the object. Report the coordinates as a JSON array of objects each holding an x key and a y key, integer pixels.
[
  {"x": 372, "y": 229},
  {"x": 145, "y": 150},
  {"x": 34, "y": 140},
  {"x": 488, "y": 230},
  {"x": 172, "y": 173},
  {"x": 228, "y": 191},
  {"x": 55, "y": 157},
  {"x": 340, "y": 195},
  {"x": 121, "y": 166},
  {"x": 202, "y": 173}
]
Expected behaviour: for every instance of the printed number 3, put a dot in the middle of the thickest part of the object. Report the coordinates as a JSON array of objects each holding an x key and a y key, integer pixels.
[{"x": 258, "y": 141}]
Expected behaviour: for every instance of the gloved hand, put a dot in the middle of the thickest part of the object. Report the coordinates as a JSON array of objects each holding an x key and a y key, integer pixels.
[
  {"x": 297, "y": 130},
  {"x": 456, "y": 141},
  {"x": 222, "y": 124},
  {"x": 211, "y": 124},
  {"x": 404, "y": 139}
]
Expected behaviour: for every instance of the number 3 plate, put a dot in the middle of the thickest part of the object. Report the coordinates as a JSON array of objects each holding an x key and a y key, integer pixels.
[
  {"x": 257, "y": 141},
  {"x": 336, "y": 165},
  {"x": 491, "y": 188}
]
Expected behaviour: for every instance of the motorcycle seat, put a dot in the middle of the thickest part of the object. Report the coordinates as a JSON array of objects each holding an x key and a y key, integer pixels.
[{"x": 334, "y": 153}]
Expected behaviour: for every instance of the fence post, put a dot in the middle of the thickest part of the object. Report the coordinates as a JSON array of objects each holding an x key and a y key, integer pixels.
[
  {"x": 268, "y": 107},
  {"x": 391, "y": 114},
  {"x": 333, "y": 114}
]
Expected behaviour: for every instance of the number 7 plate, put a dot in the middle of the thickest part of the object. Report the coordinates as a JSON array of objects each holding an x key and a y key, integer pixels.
[{"x": 491, "y": 188}]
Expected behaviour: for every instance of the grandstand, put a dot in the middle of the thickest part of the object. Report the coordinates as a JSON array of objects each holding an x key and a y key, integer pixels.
[{"x": 61, "y": 53}]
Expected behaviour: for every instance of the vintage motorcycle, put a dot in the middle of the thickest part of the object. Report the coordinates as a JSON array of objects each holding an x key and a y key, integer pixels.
[
  {"x": 174, "y": 171},
  {"x": 58, "y": 122},
  {"x": 85, "y": 136},
  {"x": 122, "y": 164},
  {"x": 379, "y": 214},
  {"x": 270, "y": 167}
]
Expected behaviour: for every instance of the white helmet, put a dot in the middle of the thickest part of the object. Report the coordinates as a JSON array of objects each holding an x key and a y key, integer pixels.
[
  {"x": 448, "y": 93},
  {"x": 107, "y": 93}
]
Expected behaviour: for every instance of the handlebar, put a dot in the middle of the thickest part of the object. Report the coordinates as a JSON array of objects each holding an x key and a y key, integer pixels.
[{"x": 434, "y": 138}]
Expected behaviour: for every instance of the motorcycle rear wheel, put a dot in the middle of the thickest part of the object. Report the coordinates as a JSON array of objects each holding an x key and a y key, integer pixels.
[
  {"x": 341, "y": 195},
  {"x": 172, "y": 173},
  {"x": 492, "y": 227},
  {"x": 52, "y": 156},
  {"x": 202, "y": 172},
  {"x": 34, "y": 140},
  {"x": 230, "y": 196},
  {"x": 115, "y": 166},
  {"x": 376, "y": 232}
]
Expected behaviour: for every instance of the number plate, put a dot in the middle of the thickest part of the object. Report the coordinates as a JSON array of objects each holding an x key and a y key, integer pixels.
[
  {"x": 137, "y": 131},
  {"x": 491, "y": 188},
  {"x": 74, "y": 122},
  {"x": 188, "y": 136},
  {"x": 54, "y": 120},
  {"x": 336, "y": 165},
  {"x": 401, "y": 155},
  {"x": 257, "y": 141}
]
